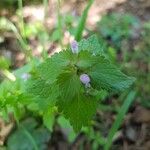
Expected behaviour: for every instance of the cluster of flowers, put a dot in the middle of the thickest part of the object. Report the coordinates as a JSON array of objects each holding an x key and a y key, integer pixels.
[{"x": 84, "y": 78}]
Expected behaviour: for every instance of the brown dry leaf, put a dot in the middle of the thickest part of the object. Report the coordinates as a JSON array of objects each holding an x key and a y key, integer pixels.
[
  {"x": 147, "y": 144},
  {"x": 141, "y": 115},
  {"x": 4, "y": 130}
]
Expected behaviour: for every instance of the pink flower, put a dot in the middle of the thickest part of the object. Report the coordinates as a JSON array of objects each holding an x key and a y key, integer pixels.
[
  {"x": 74, "y": 47},
  {"x": 25, "y": 76},
  {"x": 85, "y": 79}
]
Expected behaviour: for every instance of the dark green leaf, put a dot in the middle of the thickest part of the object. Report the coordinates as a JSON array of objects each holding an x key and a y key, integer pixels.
[
  {"x": 43, "y": 93},
  {"x": 19, "y": 139},
  {"x": 106, "y": 76},
  {"x": 91, "y": 44},
  {"x": 86, "y": 59},
  {"x": 79, "y": 110},
  {"x": 69, "y": 85},
  {"x": 52, "y": 67}
]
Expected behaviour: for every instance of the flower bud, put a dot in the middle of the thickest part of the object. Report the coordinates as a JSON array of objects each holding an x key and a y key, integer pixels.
[
  {"x": 25, "y": 76},
  {"x": 85, "y": 79},
  {"x": 74, "y": 47}
]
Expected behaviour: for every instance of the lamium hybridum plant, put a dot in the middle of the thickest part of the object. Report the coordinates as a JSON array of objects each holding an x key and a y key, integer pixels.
[{"x": 71, "y": 79}]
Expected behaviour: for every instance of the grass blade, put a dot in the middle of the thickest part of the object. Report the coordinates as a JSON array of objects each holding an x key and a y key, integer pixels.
[
  {"x": 45, "y": 4},
  {"x": 59, "y": 21},
  {"x": 119, "y": 119},
  {"x": 82, "y": 22}
]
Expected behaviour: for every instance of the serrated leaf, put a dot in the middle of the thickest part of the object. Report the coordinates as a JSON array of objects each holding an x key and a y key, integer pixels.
[
  {"x": 103, "y": 74},
  {"x": 79, "y": 110},
  {"x": 86, "y": 59},
  {"x": 52, "y": 67},
  {"x": 91, "y": 44},
  {"x": 106, "y": 76},
  {"x": 44, "y": 93},
  {"x": 11, "y": 95},
  {"x": 38, "y": 87},
  {"x": 67, "y": 128},
  {"x": 69, "y": 85},
  {"x": 49, "y": 118}
]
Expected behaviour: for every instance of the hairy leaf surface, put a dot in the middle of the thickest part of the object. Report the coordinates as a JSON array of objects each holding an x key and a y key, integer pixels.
[{"x": 79, "y": 110}]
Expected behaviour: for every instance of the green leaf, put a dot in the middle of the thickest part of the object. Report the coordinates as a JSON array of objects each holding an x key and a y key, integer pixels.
[
  {"x": 38, "y": 87},
  {"x": 86, "y": 60},
  {"x": 79, "y": 110},
  {"x": 52, "y": 67},
  {"x": 106, "y": 76},
  {"x": 28, "y": 137},
  {"x": 43, "y": 93},
  {"x": 4, "y": 63},
  {"x": 12, "y": 97},
  {"x": 69, "y": 85},
  {"x": 91, "y": 44},
  {"x": 49, "y": 118},
  {"x": 67, "y": 128}
]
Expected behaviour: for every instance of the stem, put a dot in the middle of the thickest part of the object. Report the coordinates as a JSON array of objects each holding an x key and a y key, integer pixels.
[
  {"x": 44, "y": 52},
  {"x": 45, "y": 3},
  {"x": 120, "y": 116},
  {"x": 21, "y": 37},
  {"x": 59, "y": 21},
  {"x": 20, "y": 6},
  {"x": 82, "y": 22},
  {"x": 9, "y": 75}
]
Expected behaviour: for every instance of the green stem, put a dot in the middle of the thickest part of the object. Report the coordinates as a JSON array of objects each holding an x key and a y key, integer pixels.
[
  {"x": 9, "y": 75},
  {"x": 127, "y": 102},
  {"x": 59, "y": 21},
  {"x": 21, "y": 37},
  {"x": 45, "y": 3},
  {"x": 82, "y": 22},
  {"x": 20, "y": 6}
]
